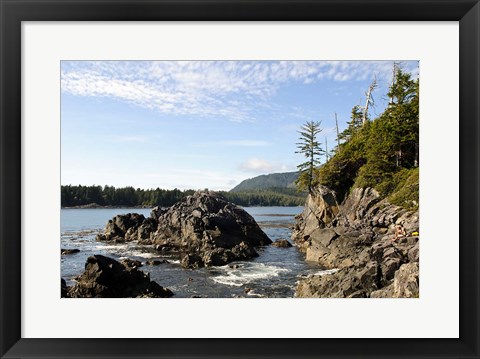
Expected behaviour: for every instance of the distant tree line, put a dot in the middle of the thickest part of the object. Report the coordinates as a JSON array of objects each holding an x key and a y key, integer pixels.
[{"x": 72, "y": 196}]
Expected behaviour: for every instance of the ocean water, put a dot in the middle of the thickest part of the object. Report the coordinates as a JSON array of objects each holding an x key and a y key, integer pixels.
[{"x": 273, "y": 274}]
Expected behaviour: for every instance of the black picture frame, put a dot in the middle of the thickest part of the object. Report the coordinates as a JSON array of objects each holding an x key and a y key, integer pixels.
[{"x": 13, "y": 12}]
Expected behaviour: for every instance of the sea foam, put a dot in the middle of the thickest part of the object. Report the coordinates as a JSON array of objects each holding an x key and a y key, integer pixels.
[{"x": 248, "y": 273}]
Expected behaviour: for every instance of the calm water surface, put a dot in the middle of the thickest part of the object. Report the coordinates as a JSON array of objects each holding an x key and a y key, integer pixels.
[{"x": 273, "y": 274}]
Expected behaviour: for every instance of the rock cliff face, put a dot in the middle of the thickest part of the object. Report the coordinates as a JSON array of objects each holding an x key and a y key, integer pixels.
[
  {"x": 355, "y": 237},
  {"x": 204, "y": 227}
]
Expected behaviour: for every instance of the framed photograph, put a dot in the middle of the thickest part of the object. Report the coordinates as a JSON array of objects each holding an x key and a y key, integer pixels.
[{"x": 241, "y": 179}]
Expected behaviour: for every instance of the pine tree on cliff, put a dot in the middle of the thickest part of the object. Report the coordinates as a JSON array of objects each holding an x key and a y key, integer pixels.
[{"x": 312, "y": 150}]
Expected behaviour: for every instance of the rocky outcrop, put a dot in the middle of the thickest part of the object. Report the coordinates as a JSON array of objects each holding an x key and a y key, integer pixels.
[
  {"x": 204, "y": 228},
  {"x": 127, "y": 227},
  {"x": 357, "y": 238},
  {"x": 348, "y": 282},
  {"x": 210, "y": 230},
  {"x": 106, "y": 278},
  {"x": 282, "y": 243},
  {"x": 320, "y": 209}
]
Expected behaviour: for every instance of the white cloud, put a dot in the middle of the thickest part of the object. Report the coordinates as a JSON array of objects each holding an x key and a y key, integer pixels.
[
  {"x": 205, "y": 88},
  {"x": 257, "y": 165}
]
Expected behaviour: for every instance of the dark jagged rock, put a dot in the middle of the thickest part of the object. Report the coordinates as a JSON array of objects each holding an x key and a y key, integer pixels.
[
  {"x": 211, "y": 230},
  {"x": 157, "y": 212},
  {"x": 156, "y": 262},
  {"x": 351, "y": 237},
  {"x": 219, "y": 256},
  {"x": 64, "y": 289},
  {"x": 106, "y": 278},
  {"x": 192, "y": 261},
  {"x": 122, "y": 226},
  {"x": 282, "y": 243},
  {"x": 208, "y": 219}
]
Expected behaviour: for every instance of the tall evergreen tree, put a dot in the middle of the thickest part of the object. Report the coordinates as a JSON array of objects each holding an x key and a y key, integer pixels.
[
  {"x": 355, "y": 123},
  {"x": 312, "y": 150}
]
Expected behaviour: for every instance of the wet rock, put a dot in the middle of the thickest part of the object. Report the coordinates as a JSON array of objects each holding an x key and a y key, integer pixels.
[
  {"x": 69, "y": 251},
  {"x": 282, "y": 243},
  {"x": 217, "y": 257},
  {"x": 156, "y": 262},
  {"x": 106, "y": 278},
  {"x": 192, "y": 261},
  {"x": 131, "y": 263},
  {"x": 244, "y": 251}
]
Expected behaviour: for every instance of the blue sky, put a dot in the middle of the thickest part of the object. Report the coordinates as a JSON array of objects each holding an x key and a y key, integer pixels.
[{"x": 203, "y": 124}]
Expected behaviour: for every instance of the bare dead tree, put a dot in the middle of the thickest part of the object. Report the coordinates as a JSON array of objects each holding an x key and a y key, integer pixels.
[
  {"x": 396, "y": 66},
  {"x": 326, "y": 150},
  {"x": 369, "y": 101}
]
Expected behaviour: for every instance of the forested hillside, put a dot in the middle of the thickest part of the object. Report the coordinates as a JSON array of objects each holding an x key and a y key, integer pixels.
[
  {"x": 273, "y": 180},
  {"x": 383, "y": 153}
]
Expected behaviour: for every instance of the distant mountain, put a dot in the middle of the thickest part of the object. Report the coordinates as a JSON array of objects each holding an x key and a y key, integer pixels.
[{"x": 273, "y": 180}]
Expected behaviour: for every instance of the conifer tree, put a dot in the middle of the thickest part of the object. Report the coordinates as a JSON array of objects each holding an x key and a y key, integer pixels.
[
  {"x": 312, "y": 150},
  {"x": 355, "y": 123}
]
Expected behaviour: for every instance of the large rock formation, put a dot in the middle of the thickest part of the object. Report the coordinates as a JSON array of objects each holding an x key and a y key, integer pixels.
[
  {"x": 106, "y": 278},
  {"x": 204, "y": 227},
  {"x": 356, "y": 238}
]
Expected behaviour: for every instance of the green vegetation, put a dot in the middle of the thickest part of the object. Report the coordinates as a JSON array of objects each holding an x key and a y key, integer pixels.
[
  {"x": 131, "y": 197},
  {"x": 312, "y": 150},
  {"x": 273, "y": 180},
  {"x": 382, "y": 153}
]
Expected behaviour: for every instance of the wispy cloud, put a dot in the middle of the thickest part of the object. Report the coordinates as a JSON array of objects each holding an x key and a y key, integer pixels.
[
  {"x": 258, "y": 165},
  {"x": 224, "y": 89}
]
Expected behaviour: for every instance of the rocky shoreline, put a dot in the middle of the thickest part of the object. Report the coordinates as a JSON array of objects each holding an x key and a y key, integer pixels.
[
  {"x": 357, "y": 239},
  {"x": 203, "y": 229},
  {"x": 353, "y": 241}
]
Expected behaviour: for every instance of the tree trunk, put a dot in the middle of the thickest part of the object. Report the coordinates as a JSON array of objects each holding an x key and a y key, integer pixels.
[
  {"x": 368, "y": 100},
  {"x": 338, "y": 135}
]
